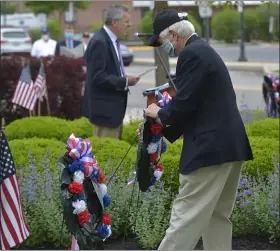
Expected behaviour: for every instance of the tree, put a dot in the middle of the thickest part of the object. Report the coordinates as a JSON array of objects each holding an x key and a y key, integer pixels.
[
  {"x": 7, "y": 8},
  {"x": 48, "y": 7},
  {"x": 160, "y": 72}
]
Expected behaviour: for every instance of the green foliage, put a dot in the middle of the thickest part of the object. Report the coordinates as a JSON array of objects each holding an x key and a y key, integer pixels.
[
  {"x": 7, "y": 8},
  {"x": 48, "y": 7},
  {"x": 96, "y": 27},
  {"x": 250, "y": 26},
  {"x": 263, "y": 13},
  {"x": 130, "y": 131},
  {"x": 109, "y": 154},
  {"x": 268, "y": 128},
  {"x": 55, "y": 29},
  {"x": 41, "y": 127},
  {"x": 81, "y": 127},
  {"x": 263, "y": 151},
  {"x": 225, "y": 25},
  {"x": 35, "y": 34},
  {"x": 21, "y": 148},
  {"x": 256, "y": 210},
  {"x": 48, "y": 128},
  {"x": 152, "y": 216}
]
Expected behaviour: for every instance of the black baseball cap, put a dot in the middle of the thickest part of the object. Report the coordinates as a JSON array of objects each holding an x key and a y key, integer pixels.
[{"x": 163, "y": 20}]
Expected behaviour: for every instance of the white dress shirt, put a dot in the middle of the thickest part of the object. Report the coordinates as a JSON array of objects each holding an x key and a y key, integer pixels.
[
  {"x": 42, "y": 48},
  {"x": 114, "y": 38}
]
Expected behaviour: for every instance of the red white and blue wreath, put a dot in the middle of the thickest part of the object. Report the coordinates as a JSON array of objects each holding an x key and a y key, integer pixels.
[
  {"x": 85, "y": 165},
  {"x": 156, "y": 145}
]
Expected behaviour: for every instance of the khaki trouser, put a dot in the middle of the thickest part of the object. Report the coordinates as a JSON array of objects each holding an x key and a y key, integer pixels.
[
  {"x": 202, "y": 208},
  {"x": 106, "y": 132}
]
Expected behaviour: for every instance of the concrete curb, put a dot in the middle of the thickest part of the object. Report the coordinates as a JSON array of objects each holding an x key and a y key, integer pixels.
[{"x": 262, "y": 67}]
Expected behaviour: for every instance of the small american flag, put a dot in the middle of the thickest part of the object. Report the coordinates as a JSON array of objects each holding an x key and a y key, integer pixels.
[
  {"x": 40, "y": 83},
  {"x": 25, "y": 94},
  {"x": 13, "y": 227}
]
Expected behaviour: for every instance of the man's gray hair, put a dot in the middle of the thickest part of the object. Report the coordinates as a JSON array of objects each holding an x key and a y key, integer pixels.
[
  {"x": 183, "y": 28},
  {"x": 114, "y": 13}
]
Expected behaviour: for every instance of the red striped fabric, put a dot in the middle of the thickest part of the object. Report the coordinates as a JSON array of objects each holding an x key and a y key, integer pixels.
[
  {"x": 40, "y": 86},
  {"x": 25, "y": 95},
  {"x": 13, "y": 229}
]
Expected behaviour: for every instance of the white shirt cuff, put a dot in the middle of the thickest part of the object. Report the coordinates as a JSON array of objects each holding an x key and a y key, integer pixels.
[{"x": 126, "y": 85}]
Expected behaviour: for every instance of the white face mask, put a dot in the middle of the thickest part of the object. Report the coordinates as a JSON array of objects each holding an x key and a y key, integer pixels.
[
  {"x": 168, "y": 47},
  {"x": 45, "y": 37}
]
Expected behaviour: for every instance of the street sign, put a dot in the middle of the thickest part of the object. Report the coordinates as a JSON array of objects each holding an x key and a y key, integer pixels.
[
  {"x": 204, "y": 9},
  {"x": 240, "y": 6}
]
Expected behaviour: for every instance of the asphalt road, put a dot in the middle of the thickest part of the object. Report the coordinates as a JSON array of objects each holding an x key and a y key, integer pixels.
[
  {"x": 247, "y": 86},
  {"x": 254, "y": 53}
]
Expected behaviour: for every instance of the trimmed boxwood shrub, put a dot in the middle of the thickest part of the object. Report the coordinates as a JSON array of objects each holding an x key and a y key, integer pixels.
[
  {"x": 129, "y": 131},
  {"x": 268, "y": 128},
  {"x": 108, "y": 152},
  {"x": 40, "y": 127},
  {"x": 48, "y": 128},
  {"x": 81, "y": 127},
  {"x": 264, "y": 149},
  {"x": 22, "y": 148}
]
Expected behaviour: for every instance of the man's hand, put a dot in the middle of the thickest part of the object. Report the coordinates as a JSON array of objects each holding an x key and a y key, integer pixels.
[
  {"x": 152, "y": 111},
  {"x": 132, "y": 80}
]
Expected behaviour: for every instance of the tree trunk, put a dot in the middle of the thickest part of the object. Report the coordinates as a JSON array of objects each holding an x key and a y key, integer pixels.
[{"x": 160, "y": 72}]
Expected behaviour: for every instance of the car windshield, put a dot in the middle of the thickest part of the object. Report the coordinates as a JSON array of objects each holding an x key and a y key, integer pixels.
[{"x": 14, "y": 34}]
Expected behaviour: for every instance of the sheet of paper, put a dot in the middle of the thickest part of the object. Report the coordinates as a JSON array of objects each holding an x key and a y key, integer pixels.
[{"x": 147, "y": 71}]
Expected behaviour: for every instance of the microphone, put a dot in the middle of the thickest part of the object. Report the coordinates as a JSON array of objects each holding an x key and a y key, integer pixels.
[{"x": 143, "y": 34}]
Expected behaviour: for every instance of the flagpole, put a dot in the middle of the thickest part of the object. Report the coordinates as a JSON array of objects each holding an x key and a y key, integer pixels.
[
  {"x": 23, "y": 64},
  {"x": 47, "y": 96}
]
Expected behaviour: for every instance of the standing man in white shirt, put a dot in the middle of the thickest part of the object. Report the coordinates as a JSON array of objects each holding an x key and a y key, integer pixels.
[
  {"x": 45, "y": 46},
  {"x": 105, "y": 98}
]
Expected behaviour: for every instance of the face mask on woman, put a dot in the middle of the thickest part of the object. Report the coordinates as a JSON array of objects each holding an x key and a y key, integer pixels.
[
  {"x": 168, "y": 47},
  {"x": 68, "y": 35}
]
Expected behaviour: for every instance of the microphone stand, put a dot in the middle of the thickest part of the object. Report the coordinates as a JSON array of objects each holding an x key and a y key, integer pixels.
[{"x": 165, "y": 68}]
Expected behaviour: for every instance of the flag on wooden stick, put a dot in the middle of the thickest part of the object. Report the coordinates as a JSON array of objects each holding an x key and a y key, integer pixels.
[
  {"x": 40, "y": 83},
  {"x": 25, "y": 94}
]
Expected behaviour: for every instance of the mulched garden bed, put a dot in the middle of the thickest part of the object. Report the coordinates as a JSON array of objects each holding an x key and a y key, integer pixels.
[{"x": 239, "y": 243}]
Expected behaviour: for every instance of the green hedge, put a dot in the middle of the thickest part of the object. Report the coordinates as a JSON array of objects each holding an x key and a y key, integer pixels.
[
  {"x": 268, "y": 128},
  {"x": 38, "y": 148},
  {"x": 225, "y": 25},
  {"x": 48, "y": 128},
  {"x": 130, "y": 131},
  {"x": 264, "y": 149},
  {"x": 108, "y": 153}
]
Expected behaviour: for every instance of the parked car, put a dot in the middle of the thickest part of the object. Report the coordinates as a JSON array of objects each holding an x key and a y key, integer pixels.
[
  {"x": 15, "y": 40},
  {"x": 127, "y": 54}
]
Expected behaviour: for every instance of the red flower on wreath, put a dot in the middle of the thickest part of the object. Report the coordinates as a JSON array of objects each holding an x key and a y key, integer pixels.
[
  {"x": 156, "y": 129},
  {"x": 106, "y": 219},
  {"x": 75, "y": 188},
  {"x": 159, "y": 167},
  {"x": 153, "y": 157},
  {"x": 83, "y": 217},
  {"x": 100, "y": 179}
]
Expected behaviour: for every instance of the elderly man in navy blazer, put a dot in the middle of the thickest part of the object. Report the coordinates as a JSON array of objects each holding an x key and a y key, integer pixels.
[
  {"x": 215, "y": 146},
  {"x": 107, "y": 85}
]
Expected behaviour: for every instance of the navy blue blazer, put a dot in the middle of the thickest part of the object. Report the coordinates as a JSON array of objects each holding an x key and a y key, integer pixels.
[
  {"x": 63, "y": 43},
  {"x": 204, "y": 111},
  {"x": 105, "y": 97}
]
